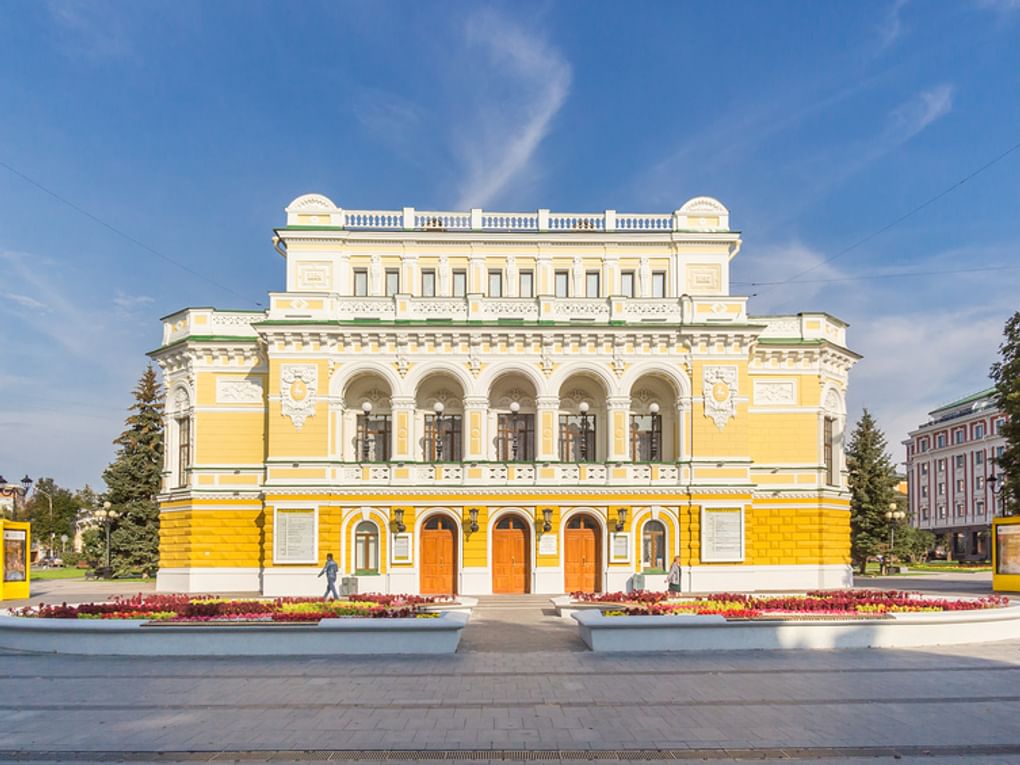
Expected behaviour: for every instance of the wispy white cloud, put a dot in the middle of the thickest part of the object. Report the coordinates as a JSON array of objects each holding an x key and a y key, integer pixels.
[
  {"x": 23, "y": 300},
  {"x": 918, "y": 112},
  {"x": 130, "y": 302},
  {"x": 891, "y": 28},
  {"x": 93, "y": 30},
  {"x": 529, "y": 80}
]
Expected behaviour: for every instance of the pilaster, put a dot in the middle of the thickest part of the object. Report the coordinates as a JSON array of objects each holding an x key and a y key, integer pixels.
[
  {"x": 402, "y": 408},
  {"x": 475, "y": 416},
  {"x": 548, "y": 427},
  {"x": 618, "y": 411}
]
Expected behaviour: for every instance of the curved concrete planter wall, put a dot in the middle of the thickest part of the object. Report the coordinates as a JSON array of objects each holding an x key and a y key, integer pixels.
[
  {"x": 634, "y": 634},
  {"x": 329, "y": 637}
]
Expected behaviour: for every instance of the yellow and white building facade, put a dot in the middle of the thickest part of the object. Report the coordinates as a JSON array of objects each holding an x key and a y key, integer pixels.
[{"x": 479, "y": 402}]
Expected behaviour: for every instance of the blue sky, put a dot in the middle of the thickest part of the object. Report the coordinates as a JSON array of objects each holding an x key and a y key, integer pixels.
[{"x": 189, "y": 126}]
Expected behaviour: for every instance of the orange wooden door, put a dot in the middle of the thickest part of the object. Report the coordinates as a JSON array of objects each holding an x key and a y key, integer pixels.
[
  {"x": 581, "y": 556},
  {"x": 438, "y": 570},
  {"x": 509, "y": 561}
]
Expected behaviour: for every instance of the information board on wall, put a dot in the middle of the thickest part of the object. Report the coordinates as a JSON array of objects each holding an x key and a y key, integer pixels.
[
  {"x": 722, "y": 534},
  {"x": 620, "y": 550},
  {"x": 547, "y": 544},
  {"x": 15, "y": 554},
  {"x": 1007, "y": 549},
  {"x": 295, "y": 536}
]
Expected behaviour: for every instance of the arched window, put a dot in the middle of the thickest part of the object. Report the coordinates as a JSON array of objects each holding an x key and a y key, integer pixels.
[
  {"x": 366, "y": 548},
  {"x": 511, "y": 522},
  {"x": 439, "y": 523},
  {"x": 653, "y": 547}
]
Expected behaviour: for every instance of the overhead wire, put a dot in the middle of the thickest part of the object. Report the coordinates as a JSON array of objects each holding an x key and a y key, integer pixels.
[
  {"x": 135, "y": 241},
  {"x": 928, "y": 202}
]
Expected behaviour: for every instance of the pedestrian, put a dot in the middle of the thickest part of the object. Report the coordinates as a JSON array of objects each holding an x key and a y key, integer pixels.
[
  {"x": 330, "y": 570},
  {"x": 674, "y": 576}
]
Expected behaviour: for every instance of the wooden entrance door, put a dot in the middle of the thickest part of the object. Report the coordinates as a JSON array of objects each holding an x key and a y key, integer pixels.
[
  {"x": 582, "y": 555},
  {"x": 438, "y": 557},
  {"x": 510, "y": 556}
]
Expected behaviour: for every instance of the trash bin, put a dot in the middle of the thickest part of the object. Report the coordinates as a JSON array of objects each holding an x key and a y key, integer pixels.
[{"x": 637, "y": 582}]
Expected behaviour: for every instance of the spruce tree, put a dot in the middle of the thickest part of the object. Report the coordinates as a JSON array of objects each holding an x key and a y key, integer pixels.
[
  {"x": 133, "y": 480},
  {"x": 1006, "y": 374},
  {"x": 873, "y": 480}
]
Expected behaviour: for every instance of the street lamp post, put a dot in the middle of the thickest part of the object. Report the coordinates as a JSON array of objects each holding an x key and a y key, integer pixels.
[
  {"x": 49, "y": 500},
  {"x": 438, "y": 409},
  {"x": 366, "y": 407},
  {"x": 107, "y": 516},
  {"x": 583, "y": 408},
  {"x": 515, "y": 407},
  {"x": 894, "y": 516},
  {"x": 13, "y": 491},
  {"x": 653, "y": 455}
]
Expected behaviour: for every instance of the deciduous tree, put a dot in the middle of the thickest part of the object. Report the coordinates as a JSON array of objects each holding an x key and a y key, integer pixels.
[{"x": 1006, "y": 374}]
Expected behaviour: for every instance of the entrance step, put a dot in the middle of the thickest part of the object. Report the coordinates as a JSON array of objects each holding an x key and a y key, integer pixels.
[{"x": 518, "y": 624}]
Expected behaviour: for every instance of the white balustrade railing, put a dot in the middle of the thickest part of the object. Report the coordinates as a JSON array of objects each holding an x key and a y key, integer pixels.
[
  {"x": 373, "y": 219},
  {"x": 505, "y": 474}
]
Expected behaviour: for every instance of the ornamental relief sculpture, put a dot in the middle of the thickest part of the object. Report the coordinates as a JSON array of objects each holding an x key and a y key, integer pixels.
[
  {"x": 298, "y": 387},
  {"x": 719, "y": 390},
  {"x": 238, "y": 391}
]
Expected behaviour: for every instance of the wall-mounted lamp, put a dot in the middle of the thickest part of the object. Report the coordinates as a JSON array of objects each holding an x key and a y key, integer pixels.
[
  {"x": 547, "y": 519},
  {"x": 473, "y": 525},
  {"x": 398, "y": 521},
  {"x": 621, "y": 518}
]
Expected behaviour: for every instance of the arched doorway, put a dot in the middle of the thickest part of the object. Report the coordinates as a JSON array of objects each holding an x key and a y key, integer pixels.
[
  {"x": 582, "y": 555},
  {"x": 510, "y": 555},
  {"x": 438, "y": 556}
]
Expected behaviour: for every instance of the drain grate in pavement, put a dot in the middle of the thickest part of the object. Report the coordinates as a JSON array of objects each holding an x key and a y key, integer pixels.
[{"x": 513, "y": 755}]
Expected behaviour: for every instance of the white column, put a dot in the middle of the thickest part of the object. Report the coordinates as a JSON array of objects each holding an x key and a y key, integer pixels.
[{"x": 547, "y": 428}]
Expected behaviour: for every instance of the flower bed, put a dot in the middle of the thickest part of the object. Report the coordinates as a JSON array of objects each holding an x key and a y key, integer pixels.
[
  {"x": 814, "y": 605},
  {"x": 189, "y": 609}
]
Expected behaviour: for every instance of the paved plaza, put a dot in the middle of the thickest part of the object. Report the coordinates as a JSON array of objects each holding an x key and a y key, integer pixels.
[{"x": 522, "y": 687}]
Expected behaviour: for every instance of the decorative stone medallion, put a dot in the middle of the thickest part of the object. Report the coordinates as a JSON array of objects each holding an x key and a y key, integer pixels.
[
  {"x": 719, "y": 388},
  {"x": 298, "y": 386}
]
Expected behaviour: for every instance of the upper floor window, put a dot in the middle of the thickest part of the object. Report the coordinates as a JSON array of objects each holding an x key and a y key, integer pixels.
[
  {"x": 392, "y": 282},
  {"x": 923, "y": 445},
  {"x": 979, "y": 482},
  {"x": 979, "y": 457},
  {"x": 591, "y": 284},
  {"x": 960, "y": 485},
  {"x": 658, "y": 284},
  {"x": 942, "y": 511},
  {"x": 627, "y": 284},
  {"x": 979, "y": 430},
  {"x": 942, "y": 465},
  {"x": 997, "y": 425},
  {"x": 941, "y": 488},
  {"x": 495, "y": 284},
  {"x": 979, "y": 507},
  {"x": 360, "y": 282},
  {"x": 183, "y": 450},
  {"x": 940, "y": 441},
  {"x": 646, "y": 437},
  {"x": 443, "y": 439},
  {"x": 828, "y": 455},
  {"x": 960, "y": 509},
  {"x": 366, "y": 548},
  {"x": 924, "y": 513},
  {"x": 577, "y": 438},
  {"x": 515, "y": 437},
  {"x": 958, "y": 436},
  {"x": 459, "y": 283},
  {"x": 562, "y": 284},
  {"x": 428, "y": 283},
  {"x": 959, "y": 460},
  {"x": 373, "y": 437},
  {"x": 924, "y": 469},
  {"x": 526, "y": 285},
  {"x": 924, "y": 491}
]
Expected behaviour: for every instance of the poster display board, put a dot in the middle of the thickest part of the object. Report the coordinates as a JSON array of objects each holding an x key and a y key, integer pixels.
[
  {"x": 1007, "y": 548},
  {"x": 722, "y": 534},
  {"x": 402, "y": 549},
  {"x": 15, "y": 555},
  {"x": 547, "y": 544},
  {"x": 294, "y": 536}
]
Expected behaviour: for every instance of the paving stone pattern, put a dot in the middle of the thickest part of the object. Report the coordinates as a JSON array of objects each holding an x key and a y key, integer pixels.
[{"x": 521, "y": 688}]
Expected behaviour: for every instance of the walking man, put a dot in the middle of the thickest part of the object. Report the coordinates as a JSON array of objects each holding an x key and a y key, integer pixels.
[{"x": 330, "y": 570}]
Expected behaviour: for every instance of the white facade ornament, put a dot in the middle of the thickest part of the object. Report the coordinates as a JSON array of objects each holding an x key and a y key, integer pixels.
[
  {"x": 444, "y": 275},
  {"x": 833, "y": 403},
  {"x": 403, "y": 364},
  {"x": 645, "y": 277},
  {"x": 719, "y": 390},
  {"x": 238, "y": 391},
  {"x": 181, "y": 400},
  {"x": 775, "y": 392},
  {"x": 376, "y": 275},
  {"x": 512, "y": 287},
  {"x": 578, "y": 268},
  {"x": 298, "y": 387}
]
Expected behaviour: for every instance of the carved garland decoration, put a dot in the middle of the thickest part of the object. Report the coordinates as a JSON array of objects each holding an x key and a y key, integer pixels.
[
  {"x": 298, "y": 387},
  {"x": 719, "y": 389}
]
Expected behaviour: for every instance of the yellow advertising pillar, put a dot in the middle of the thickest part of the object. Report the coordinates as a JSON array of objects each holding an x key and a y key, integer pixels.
[
  {"x": 1006, "y": 554},
  {"x": 15, "y": 570}
]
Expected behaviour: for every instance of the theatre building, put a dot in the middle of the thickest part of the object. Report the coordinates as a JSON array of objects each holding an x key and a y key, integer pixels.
[{"x": 486, "y": 402}]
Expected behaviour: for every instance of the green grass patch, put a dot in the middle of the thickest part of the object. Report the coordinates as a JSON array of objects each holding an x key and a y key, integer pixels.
[{"x": 68, "y": 572}]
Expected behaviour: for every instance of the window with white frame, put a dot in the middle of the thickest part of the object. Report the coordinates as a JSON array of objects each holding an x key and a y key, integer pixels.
[
  {"x": 627, "y": 284},
  {"x": 183, "y": 436},
  {"x": 942, "y": 488},
  {"x": 561, "y": 284},
  {"x": 960, "y": 485},
  {"x": 997, "y": 425},
  {"x": 959, "y": 435},
  {"x": 658, "y": 284},
  {"x": 959, "y": 460},
  {"x": 942, "y": 465},
  {"x": 459, "y": 283},
  {"x": 979, "y": 507},
  {"x": 591, "y": 284},
  {"x": 924, "y": 513},
  {"x": 979, "y": 482},
  {"x": 924, "y": 492},
  {"x": 428, "y": 283},
  {"x": 979, "y": 430},
  {"x": 392, "y": 282},
  {"x": 495, "y": 284},
  {"x": 526, "y": 284},
  {"x": 366, "y": 548},
  {"x": 940, "y": 441},
  {"x": 924, "y": 470},
  {"x": 979, "y": 457},
  {"x": 960, "y": 509},
  {"x": 360, "y": 282}
]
